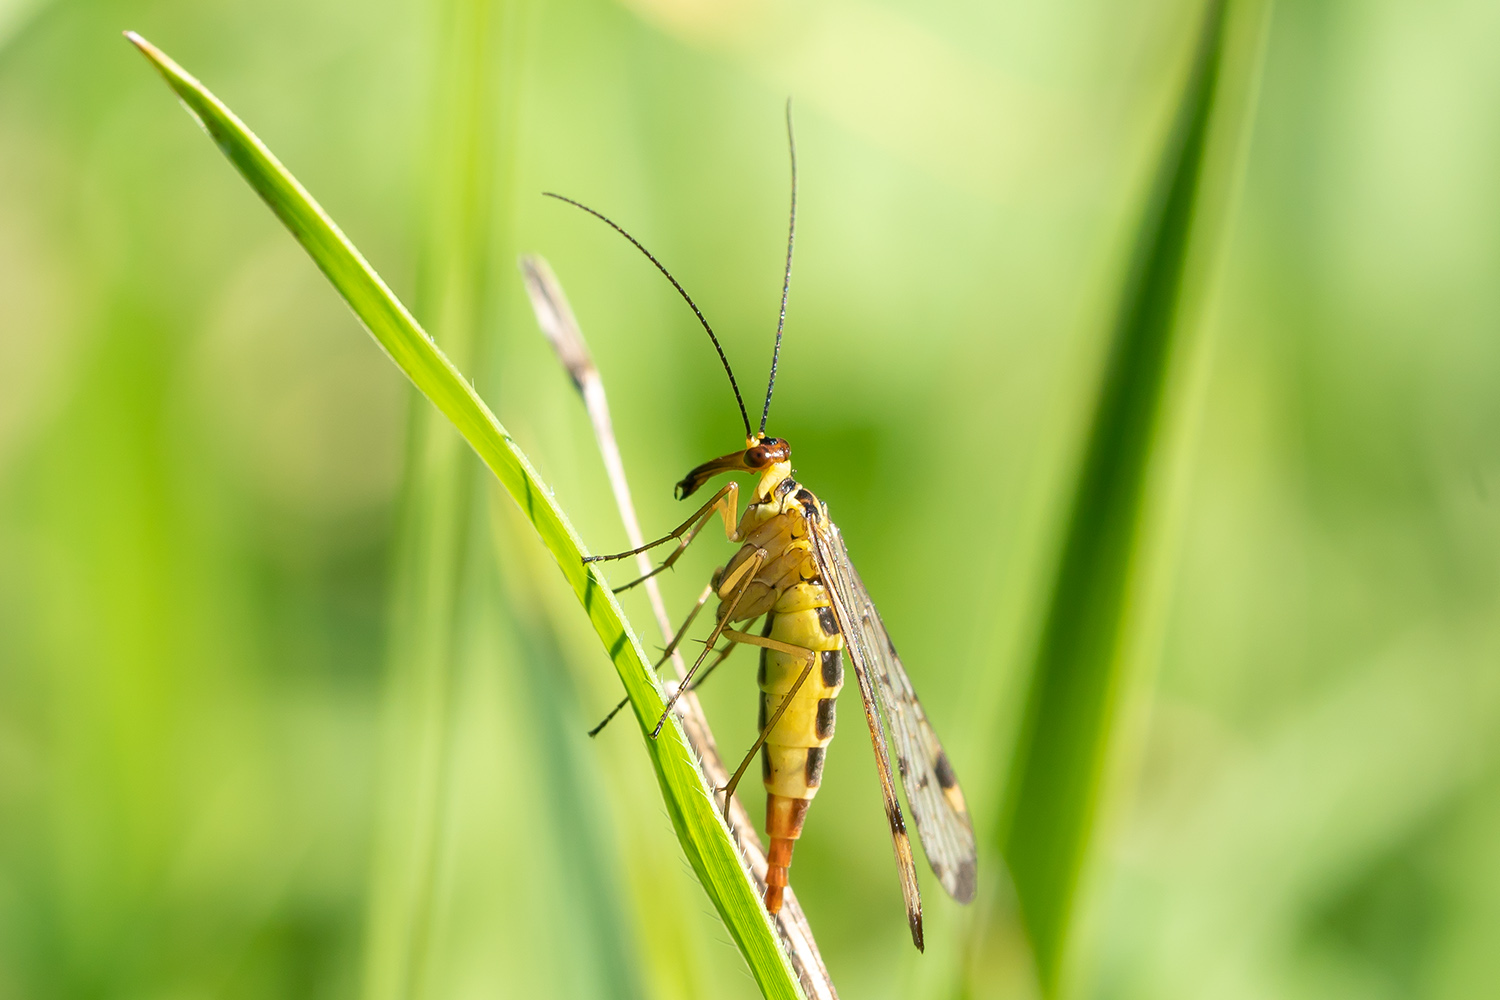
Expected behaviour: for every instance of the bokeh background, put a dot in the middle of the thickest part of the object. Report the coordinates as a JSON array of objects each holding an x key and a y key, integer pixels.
[{"x": 204, "y": 718}]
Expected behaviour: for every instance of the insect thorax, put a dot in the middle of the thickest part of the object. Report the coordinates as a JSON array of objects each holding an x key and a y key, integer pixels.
[{"x": 777, "y": 522}]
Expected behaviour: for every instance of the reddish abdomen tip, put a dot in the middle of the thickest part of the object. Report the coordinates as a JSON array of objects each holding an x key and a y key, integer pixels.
[{"x": 778, "y": 860}]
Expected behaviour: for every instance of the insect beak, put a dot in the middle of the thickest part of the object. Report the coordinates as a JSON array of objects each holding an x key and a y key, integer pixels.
[{"x": 733, "y": 462}]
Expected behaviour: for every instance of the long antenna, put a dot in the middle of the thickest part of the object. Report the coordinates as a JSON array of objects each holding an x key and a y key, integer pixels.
[
  {"x": 744, "y": 416},
  {"x": 786, "y": 282}
]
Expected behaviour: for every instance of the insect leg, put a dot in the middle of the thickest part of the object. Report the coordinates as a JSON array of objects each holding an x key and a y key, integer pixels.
[
  {"x": 610, "y": 717},
  {"x": 697, "y": 683},
  {"x": 666, "y": 654},
  {"x": 811, "y": 655},
  {"x": 740, "y": 581},
  {"x": 729, "y": 490},
  {"x": 725, "y": 502},
  {"x": 708, "y": 670},
  {"x": 677, "y": 639}
]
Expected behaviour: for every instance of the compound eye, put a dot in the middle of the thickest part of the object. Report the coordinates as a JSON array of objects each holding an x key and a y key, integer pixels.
[{"x": 766, "y": 453}]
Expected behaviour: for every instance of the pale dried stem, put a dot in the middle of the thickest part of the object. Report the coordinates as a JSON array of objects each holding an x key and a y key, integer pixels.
[{"x": 555, "y": 317}]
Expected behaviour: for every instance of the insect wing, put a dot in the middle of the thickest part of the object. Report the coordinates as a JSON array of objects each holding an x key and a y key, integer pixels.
[
  {"x": 932, "y": 791},
  {"x": 834, "y": 570}
]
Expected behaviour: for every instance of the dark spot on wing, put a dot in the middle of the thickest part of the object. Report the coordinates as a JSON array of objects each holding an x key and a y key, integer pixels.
[
  {"x": 814, "y": 768},
  {"x": 833, "y": 668},
  {"x": 826, "y": 707},
  {"x": 894, "y": 817},
  {"x": 901, "y": 764},
  {"x": 944, "y": 771},
  {"x": 829, "y": 624},
  {"x": 965, "y": 881}
]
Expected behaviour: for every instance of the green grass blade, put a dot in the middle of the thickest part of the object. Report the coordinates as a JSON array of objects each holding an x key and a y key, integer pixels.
[
  {"x": 1058, "y": 773},
  {"x": 700, "y": 831},
  {"x": 435, "y": 531}
]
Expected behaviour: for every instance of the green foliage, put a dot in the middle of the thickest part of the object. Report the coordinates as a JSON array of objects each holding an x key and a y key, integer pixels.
[{"x": 1079, "y": 682}]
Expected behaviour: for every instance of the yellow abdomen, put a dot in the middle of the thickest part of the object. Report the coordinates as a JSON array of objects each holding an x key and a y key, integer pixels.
[
  {"x": 793, "y": 754},
  {"x": 788, "y": 591}
]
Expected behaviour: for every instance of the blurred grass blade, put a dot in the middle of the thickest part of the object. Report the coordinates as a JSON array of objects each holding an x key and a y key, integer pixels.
[
  {"x": 694, "y": 815},
  {"x": 1059, "y": 769},
  {"x": 436, "y": 527},
  {"x": 14, "y": 15}
]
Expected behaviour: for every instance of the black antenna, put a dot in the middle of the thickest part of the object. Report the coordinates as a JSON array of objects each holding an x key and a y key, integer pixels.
[
  {"x": 786, "y": 282},
  {"x": 744, "y": 416}
]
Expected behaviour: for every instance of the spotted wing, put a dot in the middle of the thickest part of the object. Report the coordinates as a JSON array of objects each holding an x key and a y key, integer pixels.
[
  {"x": 834, "y": 571},
  {"x": 932, "y": 791}
]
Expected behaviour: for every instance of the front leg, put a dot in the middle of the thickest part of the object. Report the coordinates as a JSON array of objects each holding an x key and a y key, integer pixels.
[{"x": 725, "y": 502}]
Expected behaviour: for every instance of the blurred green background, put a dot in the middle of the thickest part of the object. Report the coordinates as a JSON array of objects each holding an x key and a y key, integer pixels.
[{"x": 202, "y": 712}]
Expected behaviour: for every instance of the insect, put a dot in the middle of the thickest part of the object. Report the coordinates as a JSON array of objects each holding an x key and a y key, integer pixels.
[{"x": 794, "y": 571}]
